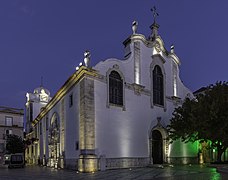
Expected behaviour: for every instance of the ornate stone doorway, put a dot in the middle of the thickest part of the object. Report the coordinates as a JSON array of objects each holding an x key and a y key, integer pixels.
[
  {"x": 157, "y": 147},
  {"x": 54, "y": 141},
  {"x": 159, "y": 143}
]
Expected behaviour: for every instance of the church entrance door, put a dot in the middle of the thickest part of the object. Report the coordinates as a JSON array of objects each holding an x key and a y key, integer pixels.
[{"x": 157, "y": 147}]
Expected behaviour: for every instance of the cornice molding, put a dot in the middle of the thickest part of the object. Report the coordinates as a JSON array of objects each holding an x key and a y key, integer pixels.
[{"x": 72, "y": 80}]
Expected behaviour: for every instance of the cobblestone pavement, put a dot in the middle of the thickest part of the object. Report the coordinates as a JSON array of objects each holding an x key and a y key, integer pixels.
[{"x": 157, "y": 173}]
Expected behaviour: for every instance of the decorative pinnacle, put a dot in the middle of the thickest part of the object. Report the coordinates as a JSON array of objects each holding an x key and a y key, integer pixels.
[
  {"x": 172, "y": 48},
  {"x": 134, "y": 26},
  {"x": 87, "y": 56},
  {"x": 155, "y": 14}
]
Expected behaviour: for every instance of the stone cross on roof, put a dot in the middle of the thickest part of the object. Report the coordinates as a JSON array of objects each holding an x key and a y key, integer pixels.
[{"x": 155, "y": 14}]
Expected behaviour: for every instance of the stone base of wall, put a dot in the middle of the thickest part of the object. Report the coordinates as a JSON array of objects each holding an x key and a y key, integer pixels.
[
  {"x": 88, "y": 163},
  {"x": 29, "y": 161},
  {"x": 183, "y": 160},
  {"x": 115, "y": 163},
  {"x": 71, "y": 164},
  {"x": 62, "y": 163}
]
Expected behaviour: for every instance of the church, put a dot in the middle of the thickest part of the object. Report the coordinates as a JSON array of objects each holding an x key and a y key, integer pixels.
[{"x": 114, "y": 114}]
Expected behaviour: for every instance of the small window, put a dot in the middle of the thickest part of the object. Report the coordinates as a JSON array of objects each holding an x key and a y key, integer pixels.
[
  {"x": 71, "y": 100},
  {"x": 9, "y": 121},
  {"x": 40, "y": 128},
  {"x": 115, "y": 88},
  {"x": 47, "y": 123},
  {"x": 77, "y": 145},
  {"x": 30, "y": 112}
]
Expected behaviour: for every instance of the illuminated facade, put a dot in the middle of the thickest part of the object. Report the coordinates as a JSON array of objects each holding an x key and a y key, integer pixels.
[
  {"x": 114, "y": 115},
  {"x": 35, "y": 102}
]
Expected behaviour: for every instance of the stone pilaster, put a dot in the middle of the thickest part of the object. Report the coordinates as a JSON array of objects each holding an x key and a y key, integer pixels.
[
  {"x": 87, "y": 160},
  {"x": 62, "y": 129},
  {"x": 137, "y": 63}
]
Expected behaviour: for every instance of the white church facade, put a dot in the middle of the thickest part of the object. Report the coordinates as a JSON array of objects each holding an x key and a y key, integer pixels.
[{"x": 115, "y": 114}]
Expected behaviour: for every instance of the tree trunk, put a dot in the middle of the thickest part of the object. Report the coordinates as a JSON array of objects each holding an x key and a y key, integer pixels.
[{"x": 219, "y": 155}]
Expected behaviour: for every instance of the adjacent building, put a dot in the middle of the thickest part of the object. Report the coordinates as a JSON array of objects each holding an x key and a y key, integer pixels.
[
  {"x": 11, "y": 122},
  {"x": 114, "y": 114}
]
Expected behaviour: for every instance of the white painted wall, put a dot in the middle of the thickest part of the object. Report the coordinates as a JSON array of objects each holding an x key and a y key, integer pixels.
[
  {"x": 123, "y": 132},
  {"x": 126, "y": 133},
  {"x": 71, "y": 124}
]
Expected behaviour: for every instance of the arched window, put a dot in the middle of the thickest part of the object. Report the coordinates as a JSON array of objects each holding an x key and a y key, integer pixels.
[
  {"x": 115, "y": 88},
  {"x": 158, "y": 90}
]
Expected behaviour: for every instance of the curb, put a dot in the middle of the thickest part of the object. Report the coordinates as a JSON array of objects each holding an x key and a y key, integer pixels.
[
  {"x": 3, "y": 166},
  {"x": 222, "y": 169}
]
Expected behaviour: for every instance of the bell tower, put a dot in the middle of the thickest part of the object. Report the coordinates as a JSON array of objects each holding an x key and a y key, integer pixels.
[{"x": 34, "y": 103}]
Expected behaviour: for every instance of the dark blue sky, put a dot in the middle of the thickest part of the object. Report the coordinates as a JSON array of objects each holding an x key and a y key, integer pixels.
[{"x": 48, "y": 38}]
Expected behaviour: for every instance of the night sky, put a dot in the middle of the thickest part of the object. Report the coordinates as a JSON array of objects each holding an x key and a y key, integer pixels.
[{"x": 48, "y": 38}]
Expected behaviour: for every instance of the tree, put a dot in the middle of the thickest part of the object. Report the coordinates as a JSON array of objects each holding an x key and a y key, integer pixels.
[
  {"x": 203, "y": 119},
  {"x": 14, "y": 144}
]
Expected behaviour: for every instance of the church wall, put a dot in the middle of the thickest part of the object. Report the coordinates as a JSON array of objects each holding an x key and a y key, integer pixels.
[
  {"x": 184, "y": 91},
  {"x": 123, "y": 66},
  {"x": 95, "y": 134},
  {"x": 88, "y": 161},
  {"x": 37, "y": 107},
  {"x": 146, "y": 60},
  {"x": 169, "y": 77},
  {"x": 183, "y": 153},
  {"x": 68, "y": 144},
  {"x": 114, "y": 123},
  {"x": 42, "y": 141},
  {"x": 117, "y": 139},
  {"x": 72, "y": 128},
  {"x": 122, "y": 133}
]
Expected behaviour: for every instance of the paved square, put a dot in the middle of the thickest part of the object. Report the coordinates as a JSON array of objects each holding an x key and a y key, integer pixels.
[{"x": 176, "y": 172}]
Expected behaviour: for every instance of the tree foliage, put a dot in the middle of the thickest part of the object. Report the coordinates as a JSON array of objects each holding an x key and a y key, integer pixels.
[
  {"x": 204, "y": 118},
  {"x": 14, "y": 144}
]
